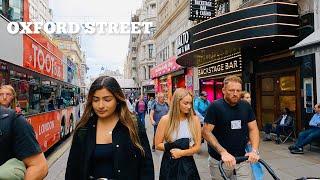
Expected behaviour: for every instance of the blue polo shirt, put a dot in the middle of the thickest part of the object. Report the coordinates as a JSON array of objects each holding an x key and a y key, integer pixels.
[{"x": 315, "y": 120}]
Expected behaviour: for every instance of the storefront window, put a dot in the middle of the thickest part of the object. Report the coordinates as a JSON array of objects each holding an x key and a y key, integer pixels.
[
  {"x": 267, "y": 84},
  {"x": 287, "y": 83},
  {"x": 288, "y": 102},
  {"x": 12, "y": 9},
  {"x": 267, "y": 102},
  {"x": 267, "y": 114},
  {"x": 222, "y": 7},
  {"x": 267, "y": 117},
  {"x": 15, "y": 10}
]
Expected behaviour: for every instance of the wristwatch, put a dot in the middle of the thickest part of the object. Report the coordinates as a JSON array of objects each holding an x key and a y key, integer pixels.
[{"x": 255, "y": 151}]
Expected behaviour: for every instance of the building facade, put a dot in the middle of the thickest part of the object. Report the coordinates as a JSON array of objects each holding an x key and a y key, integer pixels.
[
  {"x": 74, "y": 58},
  {"x": 310, "y": 46},
  {"x": 252, "y": 39},
  {"x": 146, "y": 48},
  {"x": 39, "y": 11},
  {"x": 141, "y": 51},
  {"x": 172, "y": 20},
  {"x": 131, "y": 63}
]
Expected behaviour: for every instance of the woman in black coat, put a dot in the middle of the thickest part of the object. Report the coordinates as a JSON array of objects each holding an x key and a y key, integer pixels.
[{"x": 108, "y": 141}]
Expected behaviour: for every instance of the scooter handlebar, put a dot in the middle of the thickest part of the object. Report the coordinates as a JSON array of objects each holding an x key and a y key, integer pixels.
[{"x": 241, "y": 159}]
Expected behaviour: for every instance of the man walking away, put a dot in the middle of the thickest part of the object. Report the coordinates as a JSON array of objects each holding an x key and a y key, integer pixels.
[{"x": 159, "y": 109}]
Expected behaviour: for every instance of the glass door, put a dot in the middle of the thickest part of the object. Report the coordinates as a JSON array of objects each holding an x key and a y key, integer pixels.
[{"x": 278, "y": 91}]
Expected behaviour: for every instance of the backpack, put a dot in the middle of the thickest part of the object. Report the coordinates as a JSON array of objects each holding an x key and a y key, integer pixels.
[
  {"x": 7, "y": 121},
  {"x": 206, "y": 102}
]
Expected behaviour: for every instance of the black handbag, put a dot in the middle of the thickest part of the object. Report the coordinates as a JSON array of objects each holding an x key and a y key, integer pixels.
[{"x": 183, "y": 168}]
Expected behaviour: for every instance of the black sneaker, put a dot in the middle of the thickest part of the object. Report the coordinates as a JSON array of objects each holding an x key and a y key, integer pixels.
[
  {"x": 292, "y": 147},
  {"x": 277, "y": 141},
  {"x": 153, "y": 148},
  {"x": 297, "y": 151}
]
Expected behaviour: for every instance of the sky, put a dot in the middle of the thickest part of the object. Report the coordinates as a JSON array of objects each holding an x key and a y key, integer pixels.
[{"x": 107, "y": 50}]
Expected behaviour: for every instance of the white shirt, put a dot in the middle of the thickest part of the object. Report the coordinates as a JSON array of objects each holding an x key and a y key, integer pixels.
[{"x": 283, "y": 119}]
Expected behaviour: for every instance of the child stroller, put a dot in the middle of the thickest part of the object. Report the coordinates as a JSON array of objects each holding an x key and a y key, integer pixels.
[{"x": 268, "y": 168}]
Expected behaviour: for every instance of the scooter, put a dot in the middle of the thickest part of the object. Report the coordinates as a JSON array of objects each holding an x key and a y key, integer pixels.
[
  {"x": 266, "y": 165},
  {"x": 244, "y": 158}
]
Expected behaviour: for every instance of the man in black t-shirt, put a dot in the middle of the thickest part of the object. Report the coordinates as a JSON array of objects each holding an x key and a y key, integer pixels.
[
  {"x": 17, "y": 140},
  {"x": 229, "y": 123}
]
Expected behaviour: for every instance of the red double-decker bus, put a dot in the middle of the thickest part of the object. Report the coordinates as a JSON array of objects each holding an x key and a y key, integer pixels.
[{"x": 39, "y": 72}]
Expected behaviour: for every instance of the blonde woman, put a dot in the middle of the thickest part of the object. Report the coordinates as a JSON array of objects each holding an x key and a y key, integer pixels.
[
  {"x": 179, "y": 136},
  {"x": 245, "y": 95},
  {"x": 8, "y": 98}
]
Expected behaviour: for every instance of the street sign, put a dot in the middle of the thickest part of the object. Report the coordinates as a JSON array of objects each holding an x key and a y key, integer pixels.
[{"x": 201, "y": 9}]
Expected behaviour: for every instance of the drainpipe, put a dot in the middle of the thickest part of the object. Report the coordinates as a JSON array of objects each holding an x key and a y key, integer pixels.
[{"x": 317, "y": 53}]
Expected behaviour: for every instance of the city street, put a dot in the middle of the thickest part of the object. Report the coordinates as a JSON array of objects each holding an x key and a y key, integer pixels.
[
  {"x": 287, "y": 166},
  {"x": 58, "y": 56}
]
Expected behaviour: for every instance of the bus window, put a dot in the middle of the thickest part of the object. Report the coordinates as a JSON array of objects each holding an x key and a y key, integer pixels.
[
  {"x": 4, "y": 73},
  {"x": 20, "y": 84},
  {"x": 67, "y": 95},
  {"x": 47, "y": 96},
  {"x": 34, "y": 94}
]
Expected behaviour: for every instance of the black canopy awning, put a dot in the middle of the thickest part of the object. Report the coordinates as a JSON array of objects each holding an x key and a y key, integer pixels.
[{"x": 267, "y": 25}]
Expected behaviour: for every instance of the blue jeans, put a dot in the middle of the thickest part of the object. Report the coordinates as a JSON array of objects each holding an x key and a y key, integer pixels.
[
  {"x": 141, "y": 117},
  {"x": 305, "y": 137},
  {"x": 257, "y": 170}
]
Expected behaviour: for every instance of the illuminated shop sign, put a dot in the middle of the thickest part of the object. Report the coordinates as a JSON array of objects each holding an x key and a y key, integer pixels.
[
  {"x": 223, "y": 67},
  {"x": 201, "y": 10},
  {"x": 183, "y": 43}
]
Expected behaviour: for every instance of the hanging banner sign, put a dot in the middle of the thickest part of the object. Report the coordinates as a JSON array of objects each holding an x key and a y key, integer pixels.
[{"x": 201, "y": 9}]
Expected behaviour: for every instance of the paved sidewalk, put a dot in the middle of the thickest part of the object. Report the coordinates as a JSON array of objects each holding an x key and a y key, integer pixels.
[{"x": 287, "y": 166}]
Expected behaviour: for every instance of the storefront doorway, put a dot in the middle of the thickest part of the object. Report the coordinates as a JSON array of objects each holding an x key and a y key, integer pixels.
[
  {"x": 178, "y": 82},
  {"x": 213, "y": 87},
  {"x": 276, "y": 92}
]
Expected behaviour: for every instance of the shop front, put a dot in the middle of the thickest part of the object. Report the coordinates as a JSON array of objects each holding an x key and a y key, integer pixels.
[
  {"x": 307, "y": 52},
  {"x": 211, "y": 74},
  {"x": 148, "y": 88},
  {"x": 168, "y": 76},
  {"x": 252, "y": 43}
]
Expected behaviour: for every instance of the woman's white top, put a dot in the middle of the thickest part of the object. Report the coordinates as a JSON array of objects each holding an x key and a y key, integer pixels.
[{"x": 183, "y": 132}]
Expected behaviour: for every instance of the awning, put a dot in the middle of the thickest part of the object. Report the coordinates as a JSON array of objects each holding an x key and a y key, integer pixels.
[
  {"x": 165, "y": 67},
  {"x": 271, "y": 25},
  {"x": 308, "y": 45}
]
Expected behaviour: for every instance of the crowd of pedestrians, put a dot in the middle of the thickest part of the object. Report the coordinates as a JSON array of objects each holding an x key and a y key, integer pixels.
[{"x": 110, "y": 140}]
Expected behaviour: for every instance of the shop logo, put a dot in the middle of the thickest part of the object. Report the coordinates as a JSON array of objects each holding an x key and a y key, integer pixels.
[
  {"x": 183, "y": 43},
  {"x": 45, "y": 61}
]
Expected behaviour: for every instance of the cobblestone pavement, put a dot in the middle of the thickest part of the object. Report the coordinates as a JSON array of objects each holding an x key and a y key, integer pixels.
[{"x": 287, "y": 166}]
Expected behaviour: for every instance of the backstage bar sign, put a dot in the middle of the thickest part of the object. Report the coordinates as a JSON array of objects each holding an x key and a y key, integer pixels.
[
  {"x": 228, "y": 66},
  {"x": 201, "y": 9},
  {"x": 183, "y": 43}
]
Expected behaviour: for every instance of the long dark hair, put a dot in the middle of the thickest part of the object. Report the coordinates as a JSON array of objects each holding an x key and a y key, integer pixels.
[{"x": 125, "y": 116}]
